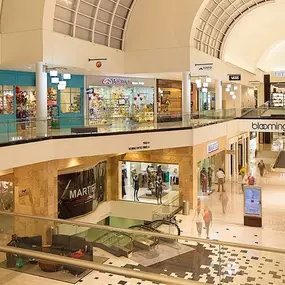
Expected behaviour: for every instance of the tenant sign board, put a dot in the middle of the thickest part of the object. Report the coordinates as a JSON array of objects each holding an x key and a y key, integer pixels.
[
  {"x": 263, "y": 126},
  {"x": 234, "y": 77}
]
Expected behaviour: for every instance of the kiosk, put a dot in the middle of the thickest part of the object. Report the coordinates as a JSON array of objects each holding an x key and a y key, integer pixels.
[{"x": 252, "y": 206}]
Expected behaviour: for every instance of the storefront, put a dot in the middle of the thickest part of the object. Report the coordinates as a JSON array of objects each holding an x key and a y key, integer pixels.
[
  {"x": 208, "y": 167},
  {"x": 145, "y": 177},
  {"x": 18, "y": 100},
  {"x": 208, "y": 158},
  {"x": 238, "y": 155},
  {"x": 115, "y": 100},
  {"x": 169, "y": 100},
  {"x": 6, "y": 196},
  {"x": 80, "y": 193}
]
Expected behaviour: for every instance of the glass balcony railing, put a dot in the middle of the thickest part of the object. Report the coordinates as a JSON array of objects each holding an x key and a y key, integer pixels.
[
  {"x": 18, "y": 131},
  {"x": 131, "y": 255}
]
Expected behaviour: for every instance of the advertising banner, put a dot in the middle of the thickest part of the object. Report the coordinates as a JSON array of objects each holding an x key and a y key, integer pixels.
[
  {"x": 81, "y": 192},
  {"x": 263, "y": 126},
  {"x": 252, "y": 201}
]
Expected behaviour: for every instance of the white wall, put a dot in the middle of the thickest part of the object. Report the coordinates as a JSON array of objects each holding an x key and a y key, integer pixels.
[{"x": 251, "y": 41}]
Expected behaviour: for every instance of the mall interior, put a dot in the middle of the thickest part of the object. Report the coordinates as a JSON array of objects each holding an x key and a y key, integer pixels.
[{"x": 142, "y": 142}]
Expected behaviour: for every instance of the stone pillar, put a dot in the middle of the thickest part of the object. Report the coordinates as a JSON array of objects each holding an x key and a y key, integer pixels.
[
  {"x": 218, "y": 95},
  {"x": 186, "y": 98},
  {"x": 41, "y": 100},
  {"x": 35, "y": 193},
  {"x": 238, "y": 100}
]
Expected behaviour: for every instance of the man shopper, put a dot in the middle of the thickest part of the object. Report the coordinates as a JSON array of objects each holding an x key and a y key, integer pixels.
[
  {"x": 261, "y": 167},
  {"x": 221, "y": 179}
]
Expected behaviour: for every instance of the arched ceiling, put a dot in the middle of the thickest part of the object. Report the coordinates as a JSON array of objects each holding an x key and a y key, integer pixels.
[
  {"x": 98, "y": 21},
  {"x": 216, "y": 20},
  {"x": 257, "y": 41}
]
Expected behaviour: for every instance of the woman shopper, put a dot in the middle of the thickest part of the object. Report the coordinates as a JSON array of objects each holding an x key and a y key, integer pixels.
[
  {"x": 198, "y": 218},
  {"x": 207, "y": 220},
  {"x": 136, "y": 188},
  {"x": 261, "y": 167}
]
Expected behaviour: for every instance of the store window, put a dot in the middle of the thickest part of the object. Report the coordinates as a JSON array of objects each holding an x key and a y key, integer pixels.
[
  {"x": 70, "y": 100},
  {"x": 207, "y": 170},
  {"x": 6, "y": 100},
  {"x": 113, "y": 103},
  {"x": 6, "y": 196},
  {"x": 26, "y": 102},
  {"x": 142, "y": 182}
]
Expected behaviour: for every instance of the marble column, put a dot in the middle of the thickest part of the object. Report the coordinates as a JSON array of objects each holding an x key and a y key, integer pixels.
[
  {"x": 218, "y": 95},
  {"x": 186, "y": 98}
]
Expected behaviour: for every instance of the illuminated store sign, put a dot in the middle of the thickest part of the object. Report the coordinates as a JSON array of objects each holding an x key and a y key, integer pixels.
[
  {"x": 212, "y": 147},
  {"x": 235, "y": 77},
  {"x": 268, "y": 127},
  {"x": 280, "y": 74},
  {"x": 121, "y": 81}
]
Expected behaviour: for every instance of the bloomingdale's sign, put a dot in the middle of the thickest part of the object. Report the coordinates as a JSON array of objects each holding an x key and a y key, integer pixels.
[{"x": 268, "y": 127}]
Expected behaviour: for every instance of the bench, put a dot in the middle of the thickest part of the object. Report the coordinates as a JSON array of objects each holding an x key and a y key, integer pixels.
[{"x": 84, "y": 130}]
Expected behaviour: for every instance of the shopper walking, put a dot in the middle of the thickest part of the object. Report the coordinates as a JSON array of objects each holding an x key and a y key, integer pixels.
[
  {"x": 136, "y": 188},
  {"x": 261, "y": 167},
  {"x": 221, "y": 179},
  {"x": 159, "y": 190},
  {"x": 207, "y": 220},
  {"x": 224, "y": 201},
  {"x": 198, "y": 218},
  {"x": 210, "y": 176}
]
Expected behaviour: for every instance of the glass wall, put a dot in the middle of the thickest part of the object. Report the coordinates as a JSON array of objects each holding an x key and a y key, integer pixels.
[
  {"x": 207, "y": 170},
  {"x": 149, "y": 182},
  {"x": 108, "y": 104}
]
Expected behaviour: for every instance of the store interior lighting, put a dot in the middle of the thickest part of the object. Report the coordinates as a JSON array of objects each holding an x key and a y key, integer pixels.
[
  {"x": 53, "y": 73},
  {"x": 206, "y": 84},
  {"x": 66, "y": 76},
  {"x": 231, "y": 89},
  {"x": 208, "y": 79},
  {"x": 204, "y": 90}
]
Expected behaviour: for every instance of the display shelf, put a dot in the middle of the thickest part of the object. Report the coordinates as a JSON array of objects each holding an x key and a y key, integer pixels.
[{"x": 278, "y": 99}]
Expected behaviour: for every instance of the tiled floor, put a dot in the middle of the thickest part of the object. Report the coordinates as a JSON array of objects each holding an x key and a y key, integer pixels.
[{"x": 208, "y": 263}]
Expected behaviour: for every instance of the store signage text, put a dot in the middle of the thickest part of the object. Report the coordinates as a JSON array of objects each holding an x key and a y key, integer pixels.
[
  {"x": 144, "y": 146},
  {"x": 235, "y": 77},
  {"x": 268, "y": 127},
  {"x": 121, "y": 81},
  {"x": 204, "y": 66},
  {"x": 89, "y": 190},
  {"x": 212, "y": 147},
  {"x": 280, "y": 74}
]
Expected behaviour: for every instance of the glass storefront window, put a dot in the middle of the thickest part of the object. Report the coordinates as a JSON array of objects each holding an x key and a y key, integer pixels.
[
  {"x": 70, "y": 100},
  {"x": 6, "y": 196},
  {"x": 26, "y": 101},
  {"x": 6, "y": 100},
  {"x": 115, "y": 102}
]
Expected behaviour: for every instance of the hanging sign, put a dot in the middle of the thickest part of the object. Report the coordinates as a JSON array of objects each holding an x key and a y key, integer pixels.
[
  {"x": 280, "y": 74},
  {"x": 234, "y": 77},
  {"x": 204, "y": 67}
]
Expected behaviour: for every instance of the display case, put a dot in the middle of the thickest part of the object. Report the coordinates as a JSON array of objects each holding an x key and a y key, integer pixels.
[
  {"x": 26, "y": 102},
  {"x": 6, "y": 100},
  {"x": 70, "y": 100},
  {"x": 278, "y": 100}
]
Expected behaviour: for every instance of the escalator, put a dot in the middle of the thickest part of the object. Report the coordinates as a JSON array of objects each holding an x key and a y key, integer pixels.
[{"x": 118, "y": 244}]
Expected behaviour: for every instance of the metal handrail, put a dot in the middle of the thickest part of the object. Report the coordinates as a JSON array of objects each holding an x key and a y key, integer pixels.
[
  {"x": 98, "y": 266},
  {"x": 139, "y": 232}
]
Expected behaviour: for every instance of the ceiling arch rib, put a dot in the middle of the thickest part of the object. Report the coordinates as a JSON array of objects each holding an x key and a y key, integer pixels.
[
  {"x": 98, "y": 21},
  {"x": 216, "y": 20}
]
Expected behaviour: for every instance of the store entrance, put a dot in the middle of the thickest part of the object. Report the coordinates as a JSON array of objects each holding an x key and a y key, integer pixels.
[
  {"x": 207, "y": 170},
  {"x": 150, "y": 182}
]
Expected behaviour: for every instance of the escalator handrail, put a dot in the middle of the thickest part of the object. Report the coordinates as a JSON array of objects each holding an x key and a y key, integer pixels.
[{"x": 161, "y": 222}]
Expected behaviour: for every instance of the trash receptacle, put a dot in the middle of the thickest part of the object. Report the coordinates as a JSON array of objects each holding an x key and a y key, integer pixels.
[{"x": 185, "y": 208}]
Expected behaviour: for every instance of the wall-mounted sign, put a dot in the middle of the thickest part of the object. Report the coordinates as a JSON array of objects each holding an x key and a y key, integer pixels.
[
  {"x": 80, "y": 193},
  {"x": 279, "y": 74},
  {"x": 24, "y": 192},
  {"x": 204, "y": 67},
  {"x": 268, "y": 127},
  {"x": 212, "y": 147},
  {"x": 122, "y": 81},
  {"x": 235, "y": 77},
  {"x": 144, "y": 146}
]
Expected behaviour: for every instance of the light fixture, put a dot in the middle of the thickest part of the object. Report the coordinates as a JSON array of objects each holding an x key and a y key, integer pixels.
[
  {"x": 229, "y": 85},
  {"x": 199, "y": 83},
  {"x": 228, "y": 89},
  {"x": 234, "y": 97},
  {"x": 53, "y": 73},
  {"x": 208, "y": 79},
  {"x": 67, "y": 76},
  {"x": 205, "y": 84},
  {"x": 61, "y": 87},
  {"x": 232, "y": 93},
  {"x": 235, "y": 88},
  {"x": 204, "y": 90},
  {"x": 55, "y": 80}
]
